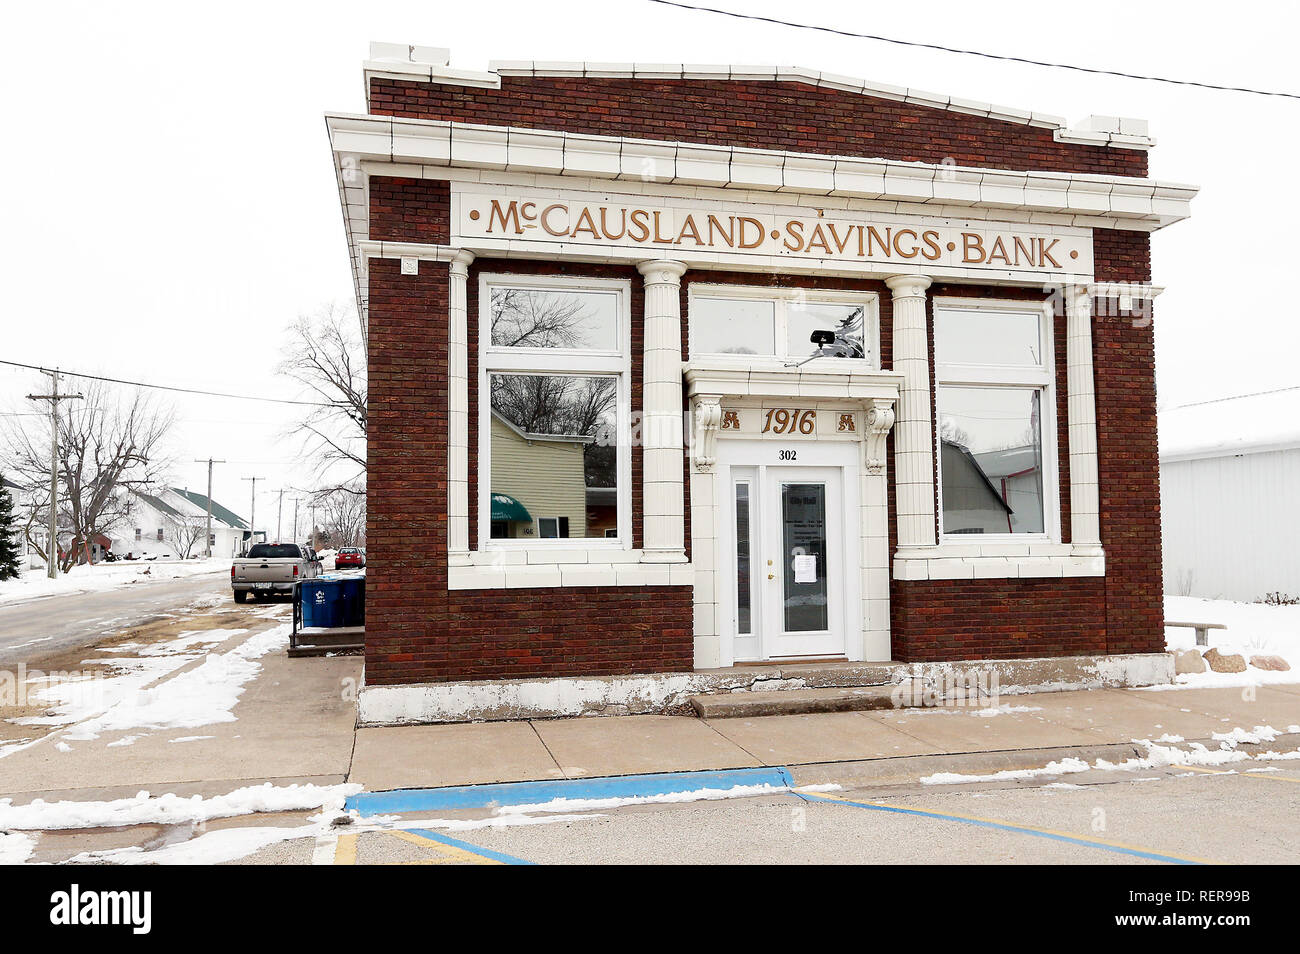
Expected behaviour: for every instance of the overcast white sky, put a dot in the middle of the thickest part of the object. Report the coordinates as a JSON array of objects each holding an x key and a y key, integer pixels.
[{"x": 169, "y": 204}]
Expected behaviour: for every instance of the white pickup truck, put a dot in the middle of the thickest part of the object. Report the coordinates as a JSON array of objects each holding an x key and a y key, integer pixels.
[{"x": 271, "y": 568}]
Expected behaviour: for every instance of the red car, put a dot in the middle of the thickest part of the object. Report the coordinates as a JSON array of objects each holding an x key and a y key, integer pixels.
[{"x": 349, "y": 557}]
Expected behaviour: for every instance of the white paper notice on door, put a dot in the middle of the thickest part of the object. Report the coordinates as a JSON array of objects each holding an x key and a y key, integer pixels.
[{"x": 805, "y": 568}]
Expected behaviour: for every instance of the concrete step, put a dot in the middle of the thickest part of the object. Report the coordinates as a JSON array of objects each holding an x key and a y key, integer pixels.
[{"x": 735, "y": 705}]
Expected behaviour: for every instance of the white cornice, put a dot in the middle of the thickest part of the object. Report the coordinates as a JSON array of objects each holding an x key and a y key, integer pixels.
[
  {"x": 1133, "y": 203},
  {"x": 1131, "y": 136},
  {"x": 424, "y": 147}
]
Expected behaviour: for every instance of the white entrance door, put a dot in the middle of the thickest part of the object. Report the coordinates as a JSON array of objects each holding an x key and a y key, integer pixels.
[{"x": 788, "y": 561}]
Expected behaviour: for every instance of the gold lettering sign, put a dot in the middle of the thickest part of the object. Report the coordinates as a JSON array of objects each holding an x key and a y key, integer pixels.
[{"x": 516, "y": 215}]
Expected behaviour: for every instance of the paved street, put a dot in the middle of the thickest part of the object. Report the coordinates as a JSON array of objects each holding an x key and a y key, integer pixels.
[
  {"x": 1169, "y": 816},
  {"x": 44, "y": 626},
  {"x": 248, "y": 756}
]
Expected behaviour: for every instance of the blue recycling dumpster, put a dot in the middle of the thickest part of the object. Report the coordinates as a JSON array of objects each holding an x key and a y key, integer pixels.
[
  {"x": 332, "y": 600},
  {"x": 322, "y": 602},
  {"x": 352, "y": 604}
]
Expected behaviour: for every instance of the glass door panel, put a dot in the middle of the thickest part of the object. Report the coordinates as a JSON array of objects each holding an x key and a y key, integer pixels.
[{"x": 803, "y": 531}]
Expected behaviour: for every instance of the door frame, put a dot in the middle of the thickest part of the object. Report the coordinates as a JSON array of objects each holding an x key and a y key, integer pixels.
[{"x": 762, "y": 459}]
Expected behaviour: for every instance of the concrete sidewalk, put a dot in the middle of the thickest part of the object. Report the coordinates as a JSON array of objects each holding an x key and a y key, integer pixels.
[{"x": 424, "y": 756}]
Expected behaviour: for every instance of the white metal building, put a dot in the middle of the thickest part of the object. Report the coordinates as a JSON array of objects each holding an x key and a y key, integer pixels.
[{"x": 1230, "y": 497}]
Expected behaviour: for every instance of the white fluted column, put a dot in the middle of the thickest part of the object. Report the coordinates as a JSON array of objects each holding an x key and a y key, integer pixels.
[
  {"x": 663, "y": 521},
  {"x": 1085, "y": 499},
  {"x": 913, "y": 430},
  {"x": 458, "y": 409}
]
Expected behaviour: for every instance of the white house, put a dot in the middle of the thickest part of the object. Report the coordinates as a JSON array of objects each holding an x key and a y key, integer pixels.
[
  {"x": 24, "y": 501},
  {"x": 1230, "y": 510},
  {"x": 170, "y": 524}
]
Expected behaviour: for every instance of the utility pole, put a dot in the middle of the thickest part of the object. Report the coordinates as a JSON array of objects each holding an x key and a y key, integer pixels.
[
  {"x": 279, "y": 512},
  {"x": 312, "y": 507},
  {"x": 295, "y": 520},
  {"x": 208, "y": 549},
  {"x": 52, "y": 545},
  {"x": 252, "y": 507}
]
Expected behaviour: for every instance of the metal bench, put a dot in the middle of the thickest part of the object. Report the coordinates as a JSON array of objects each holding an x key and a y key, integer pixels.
[{"x": 1202, "y": 630}]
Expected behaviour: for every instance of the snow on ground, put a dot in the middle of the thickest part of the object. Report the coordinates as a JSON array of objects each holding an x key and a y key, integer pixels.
[
  {"x": 90, "y": 703},
  {"x": 15, "y": 847},
  {"x": 1254, "y": 629},
  {"x": 104, "y": 576},
  {"x": 74, "y": 696},
  {"x": 1158, "y": 756},
  {"x": 201, "y": 696},
  {"x": 170, "y": 809}
]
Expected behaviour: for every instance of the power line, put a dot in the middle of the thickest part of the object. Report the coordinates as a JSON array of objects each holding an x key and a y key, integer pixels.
[
  {"x": 979, "y": 53},
  {"x": 1231, "y": 397},
  {"x": 167, "y": 387}
]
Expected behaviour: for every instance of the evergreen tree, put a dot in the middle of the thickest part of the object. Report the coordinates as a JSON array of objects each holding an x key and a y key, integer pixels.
[{"x": 8, "y": 535}]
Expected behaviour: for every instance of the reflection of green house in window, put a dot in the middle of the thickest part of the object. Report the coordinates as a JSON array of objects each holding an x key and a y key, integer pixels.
[{"x": 538, "y": 488}]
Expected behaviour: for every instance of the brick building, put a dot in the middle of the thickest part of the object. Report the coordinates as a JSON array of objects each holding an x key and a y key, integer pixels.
[{"x": 844, "y": 371}]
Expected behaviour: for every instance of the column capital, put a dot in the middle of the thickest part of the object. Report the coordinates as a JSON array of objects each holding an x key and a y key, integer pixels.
[
  {"x": 908, "y": 286},
  {"x": 460, "y": 262},
  {"x": 662, "y": 271}
]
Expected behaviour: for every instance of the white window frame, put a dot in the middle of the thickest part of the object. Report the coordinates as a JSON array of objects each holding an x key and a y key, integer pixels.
[
  {"x": 781, "y": 299},
  {"x": 555, "y": 361},
  {"x": 1043, "y": 377}
]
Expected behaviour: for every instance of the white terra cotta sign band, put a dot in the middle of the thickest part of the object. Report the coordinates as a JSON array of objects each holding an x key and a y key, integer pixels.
[{"x": 612, "y": 221}]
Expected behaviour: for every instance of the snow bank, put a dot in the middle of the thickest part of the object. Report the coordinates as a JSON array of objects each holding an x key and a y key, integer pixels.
[
  {"x": 15, "y": 847},
  {"x": 105, "y": 576},
  {"x": 169, "y": 809},
  {"x": 1063, "y": 767},
  {"x": 1253, "y": 629},
  {"x": 1158, "y": 756}
]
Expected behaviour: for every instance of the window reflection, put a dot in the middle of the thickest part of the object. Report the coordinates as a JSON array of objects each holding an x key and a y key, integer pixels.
[
  {"x": 845, "y": 321},
  {"x": 536, "y": 318},
  {"x": 991, "y": 459},
  {"x": 554, "y": 456}
]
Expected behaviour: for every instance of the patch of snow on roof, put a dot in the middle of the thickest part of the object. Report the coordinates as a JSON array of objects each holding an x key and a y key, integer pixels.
[{"x": 1240, "y": 425}]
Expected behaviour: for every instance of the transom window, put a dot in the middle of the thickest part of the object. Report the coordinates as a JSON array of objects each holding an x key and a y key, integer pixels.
[
  {"x": 742, "y": 322},
  {"x": 554, "y": 421},
  {"x": 996, "y": 415}
]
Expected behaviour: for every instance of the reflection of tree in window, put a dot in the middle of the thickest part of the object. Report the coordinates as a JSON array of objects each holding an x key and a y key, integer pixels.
[
  {"x": 553, "y": 403},
  {"x": 526, "y": 318}
]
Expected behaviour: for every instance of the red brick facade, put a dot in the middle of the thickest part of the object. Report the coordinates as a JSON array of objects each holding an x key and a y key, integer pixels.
[
  {"x": 419, "y": 630},
  {"x": 416, "y": 629},
  {"x": 758, "y": 115}
]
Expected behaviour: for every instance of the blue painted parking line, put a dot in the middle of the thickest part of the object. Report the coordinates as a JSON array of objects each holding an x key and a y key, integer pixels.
[
  {"x": 532, "y": 793},
  {"x": 998, "y": 825},
  {"x": 466, "y": 846}
]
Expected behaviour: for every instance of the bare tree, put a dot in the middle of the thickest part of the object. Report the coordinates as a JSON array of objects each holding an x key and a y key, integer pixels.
[
  {"x": 526, "y": 318},
  {"x": 342, "y": 515},
  {"x": 106, "y": 444},
  {"x": 185, "y": 534},
  {"x": 327, "y": 355}
]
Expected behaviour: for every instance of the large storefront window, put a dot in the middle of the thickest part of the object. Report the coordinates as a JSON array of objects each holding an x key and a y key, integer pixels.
[
  {"x": 743, "y": 322},
  {"x": 996, "y": 449},
  {"x": 554, "y": 457}
]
